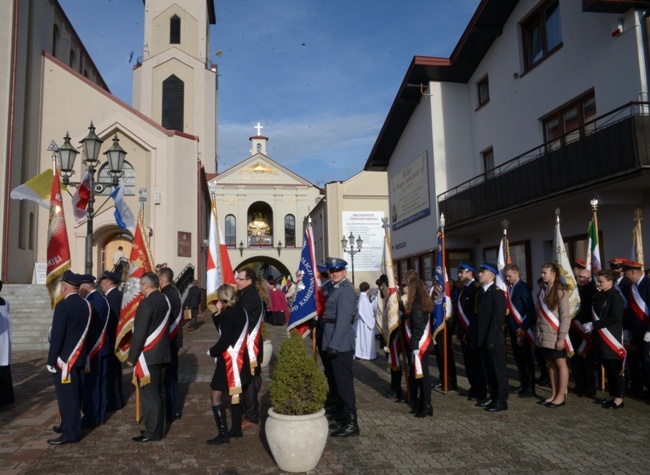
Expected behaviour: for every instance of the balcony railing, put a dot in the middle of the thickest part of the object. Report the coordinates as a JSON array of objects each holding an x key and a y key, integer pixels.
[{"x": 608, "y": 147}]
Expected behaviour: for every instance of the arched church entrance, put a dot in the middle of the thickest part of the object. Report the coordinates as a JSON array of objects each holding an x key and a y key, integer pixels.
[
  {"x": 109, "y": 240},
  {"x": 267, "y": 267}
]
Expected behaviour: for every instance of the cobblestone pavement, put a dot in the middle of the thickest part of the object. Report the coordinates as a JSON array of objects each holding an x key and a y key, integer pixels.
[{"x": 577, "y": 438}]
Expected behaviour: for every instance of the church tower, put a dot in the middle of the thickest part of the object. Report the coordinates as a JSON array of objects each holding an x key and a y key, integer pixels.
[{"x": 175, "y": 82}]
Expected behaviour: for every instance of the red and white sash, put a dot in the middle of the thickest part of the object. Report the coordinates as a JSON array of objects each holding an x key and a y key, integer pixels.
[
  {"x": 141, "y": 369},
  {"x": 424, "y": 342},
  {"x": 553, "y": 321},
  {"x": 639, "y": 307},
  {"x": 176, "y": 324},
  {"x": 463, "y": 318},
  {"x": 610, "y": 340},
  {"x": 585, "y": 345},
  {"x": 394, "y": 349},
  {"x": 233, "y": 358},
  {"x": 66, "y": 366},
  {"x": 254, "y": 342},
  {"x": 518, "y": 318},
  {"x": 102, "y": 337}
]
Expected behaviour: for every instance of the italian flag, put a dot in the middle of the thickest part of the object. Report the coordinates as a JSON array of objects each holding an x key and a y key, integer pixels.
[{"x": 593, "y": 251}]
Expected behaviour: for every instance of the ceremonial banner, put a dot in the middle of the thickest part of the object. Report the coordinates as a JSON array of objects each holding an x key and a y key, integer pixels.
[
  {"x": 36, "y": 189},
  {"x": 304, "y": 306},
  {"x": 123, "y": 215},
  {"x": 502, "y": 259},
  {"x": 81, "y": 197},
  {"x": 637, "y": 240},
  {"x": 218, "y": 267},
  {"x": 593, "y": 250},
  {"x": 388, "y": 307},
  {"x": 441, "y": 296},
  {"x": 58, "y": 248},
  {"x": 140, "y": 262},
  {"x": 561, "y": 259}
]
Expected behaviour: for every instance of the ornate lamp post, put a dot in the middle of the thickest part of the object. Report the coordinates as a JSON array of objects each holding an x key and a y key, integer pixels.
[
  {"x": 91, "y": 146},
  {"x": 352, "y": 251}
]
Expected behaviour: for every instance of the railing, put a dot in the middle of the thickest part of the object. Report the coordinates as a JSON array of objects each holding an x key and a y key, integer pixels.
[
  {"x": 611, "y": 145},
  {"x": 185, "y": 278}
]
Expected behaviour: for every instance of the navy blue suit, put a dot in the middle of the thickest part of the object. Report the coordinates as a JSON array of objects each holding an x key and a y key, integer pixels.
[
  {"x": 638, "y": 358},
  {"x": 114, "y": 395},
  {"x": 69, "y": 323},
  {"x": 471, "y": 355},
  {"x": 491, "y": 317},
  {"x": 521, "y": 298},
  {"x": 94, "y": 388},
  {"x": 173, "y": 401}
]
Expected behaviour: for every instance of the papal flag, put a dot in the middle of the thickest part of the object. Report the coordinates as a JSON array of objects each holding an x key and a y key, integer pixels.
[
  {"x": 304, "y": 308},
  {"x": 218, "y": 267},
  {"x": 58, "y": 248},
  {"x": 561, "y": 259},
  {"x": 35, "y": 189},
  {"x": 140, "y": 262},
  {"x": 388, "y": 307}
]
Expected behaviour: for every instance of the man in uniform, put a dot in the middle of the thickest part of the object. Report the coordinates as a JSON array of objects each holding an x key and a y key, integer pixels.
[
  {"x": 583, "y": 364},
  {"x": 491, "y": 317},
  {"x": 333, "y": 405},
  {"x": 637, "y": 324},
  {"x": 114, "y": 396},
  {"x": 521, "y": 322},
  {"x": 192, "y": 301},
  {"x": 338, "y": 342},
  {"x": 173, "y": 401},
  {"x": 250, "y": 299},
  {"x": 94, "y": 402},
  {"x": 66, "y": 358},
  {"x": 466, "y": 325},
  {"x": 149, "y": 353}
]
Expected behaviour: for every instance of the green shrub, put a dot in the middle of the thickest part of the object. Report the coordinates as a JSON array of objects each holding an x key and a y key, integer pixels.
[{"x": 298, "y": 386}]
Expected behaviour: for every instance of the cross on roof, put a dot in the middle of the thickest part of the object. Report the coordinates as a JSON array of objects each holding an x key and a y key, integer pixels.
[{"x": 258, "y": 127}]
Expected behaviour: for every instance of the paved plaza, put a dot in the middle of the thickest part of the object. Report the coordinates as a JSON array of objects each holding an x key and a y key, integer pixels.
[{"x": 459, "y": 439}]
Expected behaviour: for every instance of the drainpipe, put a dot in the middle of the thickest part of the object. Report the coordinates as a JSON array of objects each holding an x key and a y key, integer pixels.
[{"x": 645, "y": 34}]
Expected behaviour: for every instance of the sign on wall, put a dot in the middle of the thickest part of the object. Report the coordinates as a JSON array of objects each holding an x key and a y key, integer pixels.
[
  {"x": 184, "y": 244},
  {"x": 409, "y": 193},
  {"x": 368, "y": 225}
]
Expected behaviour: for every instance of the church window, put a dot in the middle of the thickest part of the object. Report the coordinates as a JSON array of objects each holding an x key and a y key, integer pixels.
[
  {"x": 173, "y": 103},
  {"x": 56, "y": 38},
  {"x": 175, "y": 30},
  {"x": 231, "y": 231},
  {"x": 289, "y": 231},
  {"x": 73, "y": 59},
  {"x": 127, "y": 179}
]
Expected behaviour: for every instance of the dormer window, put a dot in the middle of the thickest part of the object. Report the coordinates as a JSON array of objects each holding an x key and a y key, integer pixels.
[{"x": 175, "y": 30}]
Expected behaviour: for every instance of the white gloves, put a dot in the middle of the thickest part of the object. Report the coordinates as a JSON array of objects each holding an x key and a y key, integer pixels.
[
  {"x": 646, "y": 337},
  {"x": 627, "y": 337},
  {"x": 51, "y": 369},
  {"x": 589, "y": 327}
]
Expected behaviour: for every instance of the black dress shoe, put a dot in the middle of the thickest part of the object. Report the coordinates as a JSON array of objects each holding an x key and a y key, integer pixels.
[
  {"x": 402, "y": 398},
  {"x": 543, "y": 402},
  {"x": 483, "y": 402},
  {"x": 178, "y": 415},
  {"x": 61, "y": 441},
  {"x": 518, "y": 389},
  {"x": 497, "y": 407},
  {"x": 57, "y": 430},
  {"x": 527, "y": 393},
  {"x": 142, "y": 438},
  {"x": 425, "y": 411},
  {"x": 390, "y": 395},
  {"x": 437, "y": 386},
  {"x": 552, "y": 405},
  {"x": 472, "y": 397},
  {"x": 613, "y": 405}
]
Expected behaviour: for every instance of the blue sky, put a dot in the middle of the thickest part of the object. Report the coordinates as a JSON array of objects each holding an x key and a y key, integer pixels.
[{"x": 320, "y": 76}]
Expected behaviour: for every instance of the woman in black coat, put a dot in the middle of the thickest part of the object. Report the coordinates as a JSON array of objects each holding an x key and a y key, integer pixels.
[
  {"x": 418, "y": 310},
  {"x": 607, "y": 337},
  {"x": 232, "y": 372}
]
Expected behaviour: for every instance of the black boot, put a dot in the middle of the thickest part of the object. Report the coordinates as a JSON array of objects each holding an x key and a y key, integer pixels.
[
  {"x": 349, "y": 428},
  {"x": 415, "y": 405},
  {"x": 425, "y": 410},
  {"x": 222, "y": 424},
  {"x": 236, "y": 421}
]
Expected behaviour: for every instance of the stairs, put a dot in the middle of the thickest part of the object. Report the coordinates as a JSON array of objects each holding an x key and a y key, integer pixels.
[{"x": 31, "y": 315}]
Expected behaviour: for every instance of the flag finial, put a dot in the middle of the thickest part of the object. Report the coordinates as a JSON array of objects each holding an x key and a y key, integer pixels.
[
  {"x": 505, "y": 224},
  {"x": 557, "y": 215},
  {"x": 384, "y": 223},
  {"x": 638, "y": 214},
  {"x": 594, "y": 204}
]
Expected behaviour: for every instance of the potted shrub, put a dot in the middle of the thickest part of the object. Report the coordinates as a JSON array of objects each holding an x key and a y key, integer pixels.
[
  {"x": 268, "y": 347},
  {"x": 296, "y": 428}
]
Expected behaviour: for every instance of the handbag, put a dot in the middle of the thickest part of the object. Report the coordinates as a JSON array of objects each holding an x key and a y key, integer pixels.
[{"x": 187, "y": 314}]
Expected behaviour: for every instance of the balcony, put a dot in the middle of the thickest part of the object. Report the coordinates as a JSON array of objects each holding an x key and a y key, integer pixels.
[{"x": 609, "y": 148}]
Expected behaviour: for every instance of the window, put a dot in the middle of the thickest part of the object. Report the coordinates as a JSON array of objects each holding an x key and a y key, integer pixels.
[
  {"x": 231, "y": 231},
  {"x": 175, "y": 30},
  {"x": 56, "y": 39},
  {"x": 519, "y": 254},
  {"x": 542, "y": 33},
  {"x": 488, "y": 162},
  {"x": 173, "y": 103},
  {"x": 483, "y": 88},
  {"x": 127, "y": 179},
  {"x": 289, "y": 231},
  {"x": 567, "y": 124},
  {"x": 73, "y": 59}
]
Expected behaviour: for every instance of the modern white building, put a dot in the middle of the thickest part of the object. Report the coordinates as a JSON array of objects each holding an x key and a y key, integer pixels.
[{"x": 541, "y": 106}]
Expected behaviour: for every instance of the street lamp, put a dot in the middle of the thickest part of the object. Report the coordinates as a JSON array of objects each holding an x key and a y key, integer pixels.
[
  {"x": 352, "y": 251},
  {"x": 91, "y": 146}
]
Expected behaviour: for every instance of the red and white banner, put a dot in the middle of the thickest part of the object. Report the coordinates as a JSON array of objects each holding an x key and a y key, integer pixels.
[
  {"x": 218, "y": 267},
  {"x": 58, "y": 248},
  {"x": 81, "y": 197}
]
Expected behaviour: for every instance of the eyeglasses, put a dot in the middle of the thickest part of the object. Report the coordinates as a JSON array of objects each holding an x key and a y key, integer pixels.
[{"x": 241, "y": 278}]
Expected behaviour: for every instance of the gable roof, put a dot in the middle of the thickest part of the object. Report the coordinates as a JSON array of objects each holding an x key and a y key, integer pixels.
[{"x": 484, "y": 27}]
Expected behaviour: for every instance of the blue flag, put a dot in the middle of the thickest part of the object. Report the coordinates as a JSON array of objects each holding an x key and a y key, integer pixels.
[
  {"x": 123, "y": 215},
  {"x": 303, "y": 308},
  {"x": 438, "y": 295}
]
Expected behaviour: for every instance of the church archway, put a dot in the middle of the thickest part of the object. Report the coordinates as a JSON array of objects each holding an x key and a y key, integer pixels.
[
  {"x": 108, "y": 242},
  {"x": 266, "y": 267}
]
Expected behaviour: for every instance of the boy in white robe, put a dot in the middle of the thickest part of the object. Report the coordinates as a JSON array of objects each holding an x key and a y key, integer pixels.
[{"x": 365, "y": 324}]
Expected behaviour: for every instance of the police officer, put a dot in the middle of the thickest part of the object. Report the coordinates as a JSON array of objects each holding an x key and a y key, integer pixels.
[
  {"x": 338, "y": 341},
  {"x": 66, "y": 358}
]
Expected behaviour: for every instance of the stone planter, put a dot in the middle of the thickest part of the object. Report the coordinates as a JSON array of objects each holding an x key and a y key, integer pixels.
[
  {"x": 297, "y": 442},
  {"x": 268, "y": 352}
]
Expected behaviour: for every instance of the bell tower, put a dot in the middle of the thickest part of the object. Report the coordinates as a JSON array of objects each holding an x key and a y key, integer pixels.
[{"x": 175, "y": 82}]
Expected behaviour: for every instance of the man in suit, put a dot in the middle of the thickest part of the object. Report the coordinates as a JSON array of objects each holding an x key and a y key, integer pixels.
[
  {"x": 114, "y": 395},
  {"x": 465, "y": 328},
  {"x": 94, "y": 403},
  {"x": 193, "y": 301},
  {"x": 149, "y": 354},
  {"x": 491, "y": 340},
  {"x": 66, "y": 358},
  {"x": 521, "y": 322},
  {"x": 250, "y": 299},
  {"x": 338, "y": 341},
  {"x": 637, "y": 324},
  {"x": 173, "y": 410}
]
